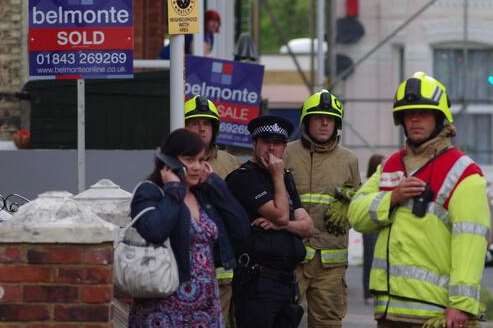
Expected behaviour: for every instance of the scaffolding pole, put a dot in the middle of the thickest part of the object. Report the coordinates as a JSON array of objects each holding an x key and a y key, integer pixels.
[{"x": 319, "y": 84}]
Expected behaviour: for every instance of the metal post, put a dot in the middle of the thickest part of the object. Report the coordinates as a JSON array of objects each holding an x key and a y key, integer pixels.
[
  {"x": 333, "y": 43},
  {"x": 465, "y": 53},
  {"x": 177, "y": 82},
  {"x": 81, "y": 135},
  {"x": 312, "y": 45},
  {"x": 198, "y": 38},
  {"x": 255, "y": 24},
  {"x": 320, "y": 42}
]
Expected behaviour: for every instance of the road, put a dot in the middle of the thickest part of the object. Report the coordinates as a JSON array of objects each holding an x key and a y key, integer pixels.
[{"x": 361, "y": 315}]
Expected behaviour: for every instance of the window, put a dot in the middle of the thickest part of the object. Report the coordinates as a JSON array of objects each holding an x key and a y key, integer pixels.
[
  {"x": 449, "y": 68},
  {"x": 474, "y": 136},
  {"x": 474, "y": 125}
]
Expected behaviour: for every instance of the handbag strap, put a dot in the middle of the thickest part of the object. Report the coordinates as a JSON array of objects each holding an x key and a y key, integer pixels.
[{"x": 138, "y": 216}]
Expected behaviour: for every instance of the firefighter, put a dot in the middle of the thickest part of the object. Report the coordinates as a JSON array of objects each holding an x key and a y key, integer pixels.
[
  {"x": 202, "y": 117},
  {"x": 428, "y": 204},
  {"x": 325, "y": 174}
]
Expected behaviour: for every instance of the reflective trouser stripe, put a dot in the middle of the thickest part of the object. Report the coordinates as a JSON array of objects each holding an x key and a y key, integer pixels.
[
  {"x": 222, "y": 274},
  {"x": 333, "y": 256},
  {"x": 327, "y": 256},
  {"x": 412, "y": 272},
  {"x": 310, "y": 198},
  {"x": 400, "y": 306},
  {"x": 310, "y": 253}
]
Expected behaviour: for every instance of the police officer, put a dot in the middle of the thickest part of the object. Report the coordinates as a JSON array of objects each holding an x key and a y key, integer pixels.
[
  {"x": 429, "y": 206},
  {"x": 202, "y": 117},
  {"x": 264, "y": 283},
  {"x": 326, "y": 175}
]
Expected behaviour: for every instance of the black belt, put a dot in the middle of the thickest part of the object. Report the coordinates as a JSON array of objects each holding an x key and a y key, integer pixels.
[{"x": 252, "y": 268}]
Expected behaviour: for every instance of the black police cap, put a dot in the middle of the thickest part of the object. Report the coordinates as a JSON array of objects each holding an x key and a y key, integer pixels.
[{"x": 271, "y": 127}]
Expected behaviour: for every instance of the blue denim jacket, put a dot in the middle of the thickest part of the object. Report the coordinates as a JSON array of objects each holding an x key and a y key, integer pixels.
[{"x": 167, "y": 216}]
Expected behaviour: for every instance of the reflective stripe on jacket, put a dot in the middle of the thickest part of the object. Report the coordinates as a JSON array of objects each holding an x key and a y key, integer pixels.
[
  {"x": 327, "y": 256},
  {"x": 439, "y": 258},
  {"x": 316, "y": 176},
  {"x": 393, "y": 306},
  {"x": 223, "y": 274}
]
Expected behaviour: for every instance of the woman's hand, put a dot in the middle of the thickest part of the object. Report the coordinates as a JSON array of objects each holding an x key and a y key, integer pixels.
[
  {"x": 168, "y": 176},
  {"x": 206, "y": 171}
]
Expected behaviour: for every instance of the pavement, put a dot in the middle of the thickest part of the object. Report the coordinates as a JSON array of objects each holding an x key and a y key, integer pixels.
[{"x": 360, "y": 315}]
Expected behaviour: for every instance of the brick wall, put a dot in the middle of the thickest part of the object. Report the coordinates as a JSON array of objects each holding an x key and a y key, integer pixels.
[
  {"x": 149, "y": 26},
  {"x": 56, "y": 285}
]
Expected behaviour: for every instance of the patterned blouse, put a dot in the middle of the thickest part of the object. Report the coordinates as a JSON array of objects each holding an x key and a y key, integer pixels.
[{"x": 196, "y": 302}]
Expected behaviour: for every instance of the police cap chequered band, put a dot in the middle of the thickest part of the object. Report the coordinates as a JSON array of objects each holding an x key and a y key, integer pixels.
[{"x": 271, "y": 130}]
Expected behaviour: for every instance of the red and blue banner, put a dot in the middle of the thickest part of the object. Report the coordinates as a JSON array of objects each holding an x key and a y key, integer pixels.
[
  {"x": 234, "y": 87},
  {"x": 80, "y": 39}
]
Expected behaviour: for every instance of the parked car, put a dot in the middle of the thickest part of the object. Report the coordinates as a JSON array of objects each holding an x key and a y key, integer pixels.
[{"x": 302, "y": 46}]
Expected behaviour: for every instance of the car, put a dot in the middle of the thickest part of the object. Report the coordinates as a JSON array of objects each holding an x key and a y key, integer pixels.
[{"x": 302, "y": 46}]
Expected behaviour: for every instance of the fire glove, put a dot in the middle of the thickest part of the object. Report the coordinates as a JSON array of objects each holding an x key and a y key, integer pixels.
[
  {"x": 436, "y": 322},
  {"x": 336, "y": 220}
]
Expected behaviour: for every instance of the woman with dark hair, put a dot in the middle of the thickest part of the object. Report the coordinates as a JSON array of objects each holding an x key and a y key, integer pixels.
[
  {"x": 183, "y": 200},
  {"x": 369, "y": 239}
]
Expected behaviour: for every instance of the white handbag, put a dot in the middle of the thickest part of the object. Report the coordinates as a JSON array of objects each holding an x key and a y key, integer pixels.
[{"x": 141, "y": 269}]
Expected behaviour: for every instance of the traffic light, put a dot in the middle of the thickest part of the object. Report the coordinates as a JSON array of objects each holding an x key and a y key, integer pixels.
[{"x": 349, "y": 30}]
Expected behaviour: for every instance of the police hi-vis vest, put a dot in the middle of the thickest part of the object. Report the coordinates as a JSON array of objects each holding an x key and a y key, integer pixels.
[{"x": 424, "y": 264}]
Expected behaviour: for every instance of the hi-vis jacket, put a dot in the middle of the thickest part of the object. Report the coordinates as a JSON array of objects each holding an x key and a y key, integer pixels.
[
  {"x": 316, "y": 175},
  {"x": 423, "y": 265}
]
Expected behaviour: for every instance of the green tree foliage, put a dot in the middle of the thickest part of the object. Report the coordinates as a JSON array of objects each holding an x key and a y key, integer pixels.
[{"x": 293, "y": 18}]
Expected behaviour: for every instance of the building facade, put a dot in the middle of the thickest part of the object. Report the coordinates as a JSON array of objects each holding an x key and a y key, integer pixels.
[{"x": 451, "y": 40}]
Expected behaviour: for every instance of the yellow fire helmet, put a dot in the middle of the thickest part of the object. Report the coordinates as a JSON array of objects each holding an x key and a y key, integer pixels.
[
  {"x": 201, "y": 107},
  {"x": 421, "y": 92},
  {"x": 323, "y": 103}
]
